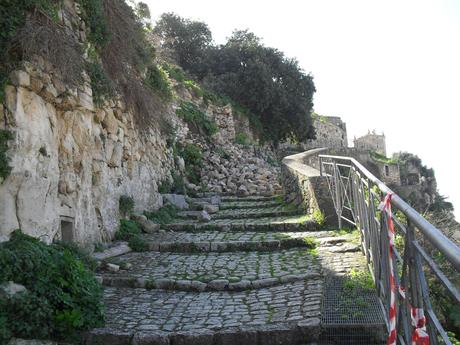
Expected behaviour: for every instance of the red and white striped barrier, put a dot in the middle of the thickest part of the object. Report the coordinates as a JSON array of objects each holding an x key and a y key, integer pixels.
[
  {"x": 419, "y": 334},
  {"x": 386, "y": 206}
]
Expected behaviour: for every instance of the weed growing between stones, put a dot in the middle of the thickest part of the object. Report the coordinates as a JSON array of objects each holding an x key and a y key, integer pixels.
[
  {"x": 359, "y": 279},
  {"x": 319, "y": 216},
  {"x": 164, "y": 215},
  {"x": 138, "y": 243},
  {"x": 130, "y": 231},
  {"x": 127, "y": 229},
  {"x": 355, "y": 286},
  {"x": 309, "y": 242},
  {"x": 271, "y": 312},
  {"x": 62, "y": 298}
]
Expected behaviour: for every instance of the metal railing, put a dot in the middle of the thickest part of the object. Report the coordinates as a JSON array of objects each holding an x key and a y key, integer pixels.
[{"x": 356, "y": 194}]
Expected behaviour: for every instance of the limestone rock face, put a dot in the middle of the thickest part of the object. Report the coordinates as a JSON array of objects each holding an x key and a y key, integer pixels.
[{"x": 70, "y": 164}]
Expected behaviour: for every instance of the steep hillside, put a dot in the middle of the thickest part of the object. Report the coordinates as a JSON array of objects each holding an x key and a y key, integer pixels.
[{"x": 77, "y": 136}]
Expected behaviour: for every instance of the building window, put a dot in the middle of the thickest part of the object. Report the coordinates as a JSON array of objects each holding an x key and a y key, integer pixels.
[{"x": 387, "y": 170}]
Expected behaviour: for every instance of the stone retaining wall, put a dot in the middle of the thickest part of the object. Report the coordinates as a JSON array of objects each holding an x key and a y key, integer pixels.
[{"x": 305, "y": 187}]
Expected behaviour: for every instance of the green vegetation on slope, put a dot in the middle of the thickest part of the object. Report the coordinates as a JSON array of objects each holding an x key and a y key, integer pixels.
[
  {"x": 121, "y": 59},
  {"x": 62, "y": 297},
  {"x": 378, "y": 157},
  {"x": 260, "y": 78},
  {"x": 197, "y": 119}
]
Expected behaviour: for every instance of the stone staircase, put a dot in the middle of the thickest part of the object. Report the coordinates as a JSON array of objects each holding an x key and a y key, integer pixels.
[{"x": 255, "y": 274}]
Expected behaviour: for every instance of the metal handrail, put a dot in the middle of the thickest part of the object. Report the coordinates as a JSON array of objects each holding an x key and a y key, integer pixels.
[
  {"x": 356, "y": 193},
  {"x": 434, "y": 235}
]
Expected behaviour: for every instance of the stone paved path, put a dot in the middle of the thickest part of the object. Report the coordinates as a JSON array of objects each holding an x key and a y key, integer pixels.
[{"x": 253, "y": 280}]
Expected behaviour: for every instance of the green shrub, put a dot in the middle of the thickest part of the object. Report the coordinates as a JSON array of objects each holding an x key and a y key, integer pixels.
[
  {"x": 191, "y": 154},
  {"x": 62, "y": 299},
  {"x": 93, "y": 15},
  {"x": 157, "y": 79},
  {"x": 165, "y": 187},
  {"x": 178, "y": 186},
  {"x": 102, "y": 86},
  {"x": 125, "y": 205},
  {"x": 174, "y": 72},
  {"x": 138, "y": 243},
  {"x": 127, "y": 229},
  {"x": 197, "y": 119},
  {"x": 164, "y": 215},
  {"x": 5, "y": 168},
  {"x": 80, "y": 253},
  {"x": 222, "y": 153},
  {"x": 194, "y": 87},
  {"x": 193, "y": 158},
  {"x": 242, "y": 139},
  {"x": 453, "y": 338},
  {"x": 378, "y": 157}
]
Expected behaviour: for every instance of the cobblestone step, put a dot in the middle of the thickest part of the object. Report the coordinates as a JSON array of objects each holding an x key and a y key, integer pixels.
[
  {"x": 233, "y": 271},
  {"x": 251, "y": 198},
  {"x": 247, "y": 277},
  {"x": 215, "y": 241},
  {"x": 266, "y": 224},
  {"x": 248, "y": 204},
  {"x": 240, "y": 236},
  {"x": 285, "y": 314},
  {"x": 277, "y": 211}
]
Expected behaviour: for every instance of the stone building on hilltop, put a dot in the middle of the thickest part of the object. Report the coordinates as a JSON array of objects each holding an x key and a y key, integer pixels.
[
  {"x": 372, "y": 142},
  {"x": 330, "y": 131}
]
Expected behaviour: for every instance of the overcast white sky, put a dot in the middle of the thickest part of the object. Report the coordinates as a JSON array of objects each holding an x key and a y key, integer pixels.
[{"x": 389, "y": 65}]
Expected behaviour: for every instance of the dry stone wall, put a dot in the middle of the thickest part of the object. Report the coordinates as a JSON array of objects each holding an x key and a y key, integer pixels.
[
  {"x": 234, "y": 168},
  {"x": 330, "y": 131}
]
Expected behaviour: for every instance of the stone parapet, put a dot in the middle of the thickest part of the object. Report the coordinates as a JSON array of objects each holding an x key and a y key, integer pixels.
[{"x": 304, "y": 185}]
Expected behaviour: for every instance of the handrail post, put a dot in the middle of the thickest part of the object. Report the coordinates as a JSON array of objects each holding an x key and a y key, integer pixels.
[
  {"x": 338, "y": 196},
  {"x": 321, "y": 166}
]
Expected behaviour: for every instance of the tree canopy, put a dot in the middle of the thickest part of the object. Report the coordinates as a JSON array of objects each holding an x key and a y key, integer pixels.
[
  {"x": 260, "y": 78},
  {"x": 187, "y": 40}
]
